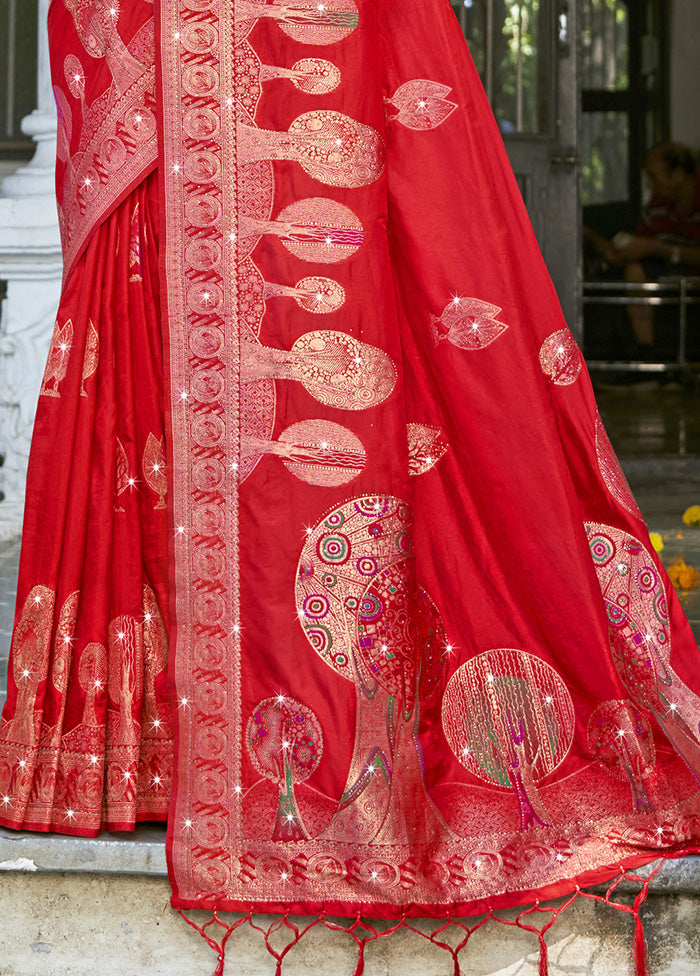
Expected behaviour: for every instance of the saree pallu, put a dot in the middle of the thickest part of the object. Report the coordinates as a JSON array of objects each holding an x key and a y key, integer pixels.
[{"x": 423, "y": 658}]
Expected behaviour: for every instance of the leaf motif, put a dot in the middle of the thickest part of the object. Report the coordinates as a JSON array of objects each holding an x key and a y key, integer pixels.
[
  {"x": 154, "y": 468},
  {"x": 91, "y": 356},
  {"x": 135, "y": 248},
  {"x": 422, "y": 104},
  {"x": 426, "y": 445},
  {"x": 59, "y": 355},
  {"x": 469, "y": 323},
  {"x": 122, "y": 470}
]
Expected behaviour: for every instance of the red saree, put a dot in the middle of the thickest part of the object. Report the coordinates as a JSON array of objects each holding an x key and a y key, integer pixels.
[{"x": 423, "y": 658}]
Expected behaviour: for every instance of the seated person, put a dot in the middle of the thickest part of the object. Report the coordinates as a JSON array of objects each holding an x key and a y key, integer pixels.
[{"x": 666, "y": 239}]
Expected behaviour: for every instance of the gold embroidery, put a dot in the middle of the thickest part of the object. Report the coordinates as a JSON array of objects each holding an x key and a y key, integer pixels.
[
  {"x": 354, "y": 589},
  {"x": 91, "y": 357},
  {"x": 329, "y": 146},
  {"x": 285, "y": 744},
  {"x": 63, "y": 643},
  {"x": 611, "y": 470},
  {"x": 509, "y": 720},
  {"x": 75, "y": 78},
  {"x": 620, "y": 738},
  {"x": 117, "y": 131},
  {"x": 155, "y": 643},
  {"x": 135, "y": 248},
  {"x": 640, "y": 638},
  {"x": 154, "y": 468},
  {"x": 560, "y": 358},
  {"x": 426, "y": 446},
  {"x": 311, "y": 75},
  {"x": 50, "y": 738},
  {"x": 316, "y": 229},
  {"x": 92, "y": 675},
  {"x": 317, "y": 451},
  {"x": 96, "y": 24},
  {"x": 59, "y": 356},
  {"x": 125, "y": 683},
  {"x": 321, "y": 296},
  {"x": 336, "y": 369},
  {"x": 468, "y": 323},
  {"x": 422, "y": 104},
  {"x": 305, "y": 21},
  {"x": 31, "y": 642},
  {"x": 123, "y": 479}
]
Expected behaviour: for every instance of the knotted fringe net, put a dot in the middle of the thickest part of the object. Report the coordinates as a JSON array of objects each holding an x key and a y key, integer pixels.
[{"x": 364, "y": 931}]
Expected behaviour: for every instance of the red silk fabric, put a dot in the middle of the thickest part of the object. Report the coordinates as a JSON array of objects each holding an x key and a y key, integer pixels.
[
  {"x": 423, "y": 658},
  {"x": 85, "y": 740}
]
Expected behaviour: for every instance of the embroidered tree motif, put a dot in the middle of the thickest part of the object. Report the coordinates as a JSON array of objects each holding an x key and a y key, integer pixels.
[
  {"x": 620, "y": 738},
  {"x": 315, "y": 229},
  {"x": 509, "y": 720},
  {"x": 316, "y": 451},
  {"x": 311, "y": 75},
  {"x": 331, "y": 147},
  {"x": 365, "y": 617},
  {"x": 64, "y": 130},
  {"x": 320, "y": 296},
  {"x": 96, "y": 24},
  {"x": 336, "y": 369},
  {"x": 92, "y": 675},
  {"x": 640, "y": 637},
  {"x": 468, "y": 323},
  {"x": 285, "y": 744},
  {"x": 422, "y": 104},
  {"x": 306, "y": 21},
  {"x": 402, "y": 644},
  {"x": 31, "y": 644}
]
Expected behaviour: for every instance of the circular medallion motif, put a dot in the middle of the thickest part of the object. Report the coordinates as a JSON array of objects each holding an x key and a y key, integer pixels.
[
  {"x": 207, "y": 519},
  {"x": 206, "y": 341},
  {"x": 200, "y": 80},
  {"x": 560, "y": 358},
  {"x": 505, "y": 713},
  {"x": 200, "y": 37},
  {"x": 209, "y": 653},
  {"x": 207, "y": 385}
]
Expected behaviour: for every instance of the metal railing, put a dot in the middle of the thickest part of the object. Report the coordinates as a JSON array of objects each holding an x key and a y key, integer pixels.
[{"x": 675, "y": 292}]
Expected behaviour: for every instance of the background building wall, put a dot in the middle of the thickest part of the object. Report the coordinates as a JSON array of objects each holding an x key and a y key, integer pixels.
[{"x": 685, "y": 72}]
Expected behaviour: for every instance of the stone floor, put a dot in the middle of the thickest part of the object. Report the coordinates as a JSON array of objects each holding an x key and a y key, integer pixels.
[{"x": 656, "y": 431}]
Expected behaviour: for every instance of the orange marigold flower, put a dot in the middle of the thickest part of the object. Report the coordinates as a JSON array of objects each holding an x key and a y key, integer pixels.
[{"x": 683, "y": 576}]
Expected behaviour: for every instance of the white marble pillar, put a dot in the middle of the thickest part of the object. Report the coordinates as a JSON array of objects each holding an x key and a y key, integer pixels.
[{"x": 31, "y": 267}]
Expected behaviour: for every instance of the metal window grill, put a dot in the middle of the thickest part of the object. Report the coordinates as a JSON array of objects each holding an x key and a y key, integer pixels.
[
  {"x": 18, "y": 62},
  {"x": 509, "y": 41}
]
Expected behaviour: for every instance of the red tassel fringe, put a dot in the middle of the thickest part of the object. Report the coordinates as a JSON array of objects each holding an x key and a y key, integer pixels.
[{"x": 365, "y": 931}]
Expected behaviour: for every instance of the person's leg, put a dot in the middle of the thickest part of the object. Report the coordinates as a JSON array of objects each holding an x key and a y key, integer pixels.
[{"x": 641, "y": 316}]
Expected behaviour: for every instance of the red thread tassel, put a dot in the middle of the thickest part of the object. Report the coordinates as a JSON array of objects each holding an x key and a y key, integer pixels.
[
  {"x": 360, "y": 961},
  {"x": 219, "y": 971},
  {"x": 544, "y": 958},
  {"x": 640, "y": 948}
]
